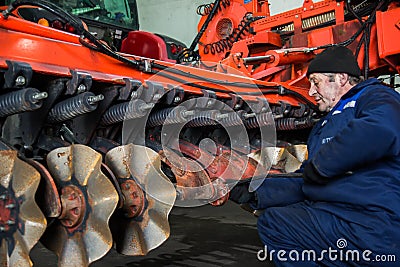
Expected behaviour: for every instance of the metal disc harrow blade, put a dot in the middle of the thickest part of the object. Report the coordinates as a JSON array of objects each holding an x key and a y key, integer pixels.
[
  {"x": 146, "y": 226},
  {"x": 81, "y": 234},
  {"x": 21, "y": 221},
  {"x": 282, "y": 159}
]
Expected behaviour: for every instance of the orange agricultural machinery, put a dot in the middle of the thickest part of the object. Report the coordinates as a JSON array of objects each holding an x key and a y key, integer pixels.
[{"x": 104, "y": 128}]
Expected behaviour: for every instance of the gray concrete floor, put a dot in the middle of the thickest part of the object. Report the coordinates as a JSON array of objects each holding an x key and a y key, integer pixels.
[{"x": 204, "y": 236}]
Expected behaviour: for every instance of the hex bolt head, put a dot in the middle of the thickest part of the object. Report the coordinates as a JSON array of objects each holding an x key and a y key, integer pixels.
[
  {"x": 81, "y": 88},
  {"x": 20, "y": 81}
]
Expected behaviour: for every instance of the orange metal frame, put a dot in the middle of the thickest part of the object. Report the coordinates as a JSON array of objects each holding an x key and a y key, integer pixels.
[
  {"x": 288, "y": 61},
  {"x": 56, "y": 52}
]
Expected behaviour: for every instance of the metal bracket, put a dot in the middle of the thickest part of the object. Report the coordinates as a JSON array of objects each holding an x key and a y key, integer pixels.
[
  {"x": 260, "y": 106},
  {"x": 128, "y": 90},
  {"x": 284, "y": 109},
  {"x": 304, "y": 110},
  {"x": 18, "y": 74},
  {"x": 153, "y": 93},
  {"x": 207, "y": 101},
  {"x": 174, "y": 95},
  {"x": 235, "y": 102},
  {"x": 80, "y": 82}
]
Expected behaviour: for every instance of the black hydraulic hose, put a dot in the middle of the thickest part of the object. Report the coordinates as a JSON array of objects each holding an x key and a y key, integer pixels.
[
  {"x": 219, "y": 82},
  {"x": 205, "y": 25},
  {"x": 190, "y": 50},
  {"x": 351, "y": 10},
  {"x": 370, "y": 20},
  {"x": 100, "y": 47},
  {"x": 264, "y": 89},
  {"x": 358, "y": 49},
  {"x": 267, "y": 89},
  {"x": 172, "y": 77},
  {"x": 366, "y": 50},
  {"x": 56, "y": 10},
  {"x": 236, "y": 35},
  {"x": 77, "y": 24}
]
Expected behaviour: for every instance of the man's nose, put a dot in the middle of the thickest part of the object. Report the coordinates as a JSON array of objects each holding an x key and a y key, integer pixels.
[{"x": 312, "y": 90}]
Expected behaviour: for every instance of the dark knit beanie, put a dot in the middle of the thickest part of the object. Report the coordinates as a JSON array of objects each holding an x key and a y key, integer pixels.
[{"x": 335, "y": 59}]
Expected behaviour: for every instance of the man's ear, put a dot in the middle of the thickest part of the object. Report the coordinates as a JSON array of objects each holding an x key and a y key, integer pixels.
[{"x": 343, "y": 78}]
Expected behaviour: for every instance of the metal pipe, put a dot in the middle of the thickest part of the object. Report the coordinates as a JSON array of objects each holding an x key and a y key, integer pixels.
[{"x": 258, "y": 59}]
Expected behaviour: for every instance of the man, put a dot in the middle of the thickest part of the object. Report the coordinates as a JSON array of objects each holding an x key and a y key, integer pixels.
[{"x": 346, "y": 208}]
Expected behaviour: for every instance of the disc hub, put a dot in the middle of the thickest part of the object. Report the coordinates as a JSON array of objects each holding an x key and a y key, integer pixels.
[
  {"x": 8, "y": 211},
  {"x": 73, "y": 206},
  {"x": 134, "y": 199}
]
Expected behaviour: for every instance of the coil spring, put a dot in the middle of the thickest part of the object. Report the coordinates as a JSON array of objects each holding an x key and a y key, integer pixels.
[
  {"x": 262, "y": 119},
  {"x": 72, "y": 108},
  {"x": 318, "y": 20},
  {"x": 227, "y": 43},
  {"x": 204, "y": 10},
  {"x": 203, "y": 118},
  {"x": 286, "y": 124},
  {"x": 20, "y": 101},
  {"x": 232, "y": 119},
  {"x": 124, "y": 111},
  {"x": 175, "y": 115}
]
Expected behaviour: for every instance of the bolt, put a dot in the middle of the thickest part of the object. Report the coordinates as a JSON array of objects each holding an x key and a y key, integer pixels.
[
  {"x": 157, "y": 96},
  {"x": 237, "y": 106},
  {"x": 177, "y": 99},
  {"x": 94, "y": 99},
  {"x": 76, "y": 211},
  {"x": 134, "y": 94},
  {"x": 3, "y": 197},
  {"x": 40, "y": 96},
  {"x": 10, "y": 206},
  {"x": 144, "y": 107},
  {"x": 10, "y": 222},
  {"x": 224, "y": 191},
  {"x": 20, "y": 81},
  {"x": 250, "y": 115},
  {"x": 72, "y": 196},
  {"x": 2, "y": 229},
  {"x": 81, "y": 88},
  {"x": 297, "y": 16},
  {"x": 222, "y": 116},
  {"x": 188, "y": 113}
]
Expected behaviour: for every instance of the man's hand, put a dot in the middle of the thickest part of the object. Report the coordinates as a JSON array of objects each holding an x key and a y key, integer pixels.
[
  {"x": 240, "y": 193},
  {"x": 311, "y": 175}
]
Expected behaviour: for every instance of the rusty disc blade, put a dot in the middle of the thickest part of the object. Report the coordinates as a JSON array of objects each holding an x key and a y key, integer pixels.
[
  {"x": 193, "y": 185},
  {"x": 280, "y": 158},
  {"x": 139, "y": 235},
  {"x": 21, "y": 222},
  {"x": 81, "y": 234},
  {"x": 48, "y": 198}
]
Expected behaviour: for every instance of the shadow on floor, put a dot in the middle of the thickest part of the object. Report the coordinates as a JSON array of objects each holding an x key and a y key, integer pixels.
[{"x": 205, "y": 236}]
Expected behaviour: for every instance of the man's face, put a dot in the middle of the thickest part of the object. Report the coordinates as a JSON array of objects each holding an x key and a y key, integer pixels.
[{"x": 325, "y": 90}]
